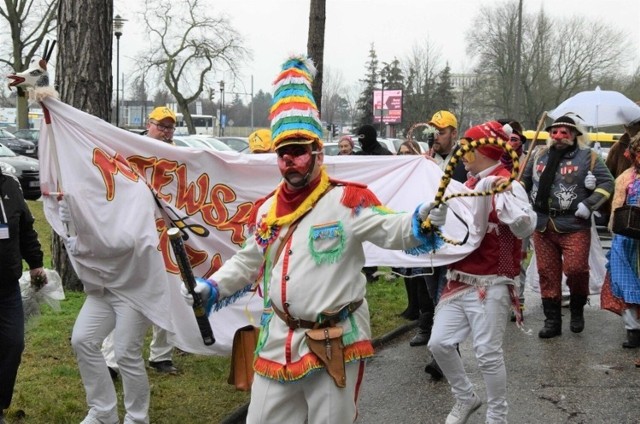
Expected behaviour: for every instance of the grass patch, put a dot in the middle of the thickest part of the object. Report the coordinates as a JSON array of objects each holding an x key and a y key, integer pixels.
[{"x": 49, "y": 388}]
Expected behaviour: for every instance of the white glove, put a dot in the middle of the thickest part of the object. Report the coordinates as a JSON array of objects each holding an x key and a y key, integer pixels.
[
  {"x": 437, "y": 216},
  {"x": 202, "y": 288},
  {"x": 583, "y": 211},
  {"x": 70, "y": 245},
  {"x": 590, "y": 181},
  {"x": 63, "y": 211}
]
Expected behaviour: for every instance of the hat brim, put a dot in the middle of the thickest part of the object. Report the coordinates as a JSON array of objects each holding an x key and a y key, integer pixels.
[
  {"x": 303, "y": 141},
  {"x": 564, "y": 124}
]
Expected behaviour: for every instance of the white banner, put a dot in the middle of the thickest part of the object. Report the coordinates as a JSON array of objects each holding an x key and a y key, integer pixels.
[{"x": 114, "y": 181}]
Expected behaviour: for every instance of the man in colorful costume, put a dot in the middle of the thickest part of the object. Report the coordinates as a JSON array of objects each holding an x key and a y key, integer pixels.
[
  {"x": 306, "y": 251},
  {"x": 566, "y": 182},
  {"x": 482, "y": 287}
]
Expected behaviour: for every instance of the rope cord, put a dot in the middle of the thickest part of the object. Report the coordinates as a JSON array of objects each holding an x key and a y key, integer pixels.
[{"x": 448, "y": 172}]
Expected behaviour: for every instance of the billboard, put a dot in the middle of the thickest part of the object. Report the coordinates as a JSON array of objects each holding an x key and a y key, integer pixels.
[{"x": 390, "y": 103}]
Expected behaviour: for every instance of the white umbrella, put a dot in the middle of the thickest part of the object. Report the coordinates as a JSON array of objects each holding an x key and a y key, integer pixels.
[{"x": 599, "y": 108}]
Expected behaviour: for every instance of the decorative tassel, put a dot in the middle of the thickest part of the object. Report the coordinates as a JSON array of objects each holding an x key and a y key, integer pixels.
[
  {"x": 356, "y": 196},
  {"x": 430, "y": 241}
]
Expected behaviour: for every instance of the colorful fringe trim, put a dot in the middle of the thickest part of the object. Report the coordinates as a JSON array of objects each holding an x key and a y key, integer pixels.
[
  {"x": 308, "y": 363},
  {"x": 334, "y": 230},
  {"x": 430, "y": 241},
  {"x": 357, "y": 196},
  {"x": 216, "y": 306}
]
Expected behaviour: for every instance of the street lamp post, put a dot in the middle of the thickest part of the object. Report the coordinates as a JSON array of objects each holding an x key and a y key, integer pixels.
[
  {"x": 382, "y": 105},
  {"x": 223, "y": 121},
  {"x": 118, "y": 24}
]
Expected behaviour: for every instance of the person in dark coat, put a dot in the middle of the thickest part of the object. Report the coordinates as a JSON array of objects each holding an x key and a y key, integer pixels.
[
  {"x": 18, "y": 241},
  {"x": 368, "y": 139}
]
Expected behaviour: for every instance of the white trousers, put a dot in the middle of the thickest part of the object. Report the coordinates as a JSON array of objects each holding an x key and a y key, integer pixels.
[
  {"x": 97, "y": 318},
  {"x": 160, "y": 348},
  {"x": 630, "y": 319},
  {"x": 486, "y": 323},
  {"x": 315, "y": 399}
]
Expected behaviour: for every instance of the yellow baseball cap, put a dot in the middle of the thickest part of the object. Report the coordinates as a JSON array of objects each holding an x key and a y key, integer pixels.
[
  {"x": 443, "y": 119},
  {"x": 260, "y": 141},
  {"x": 162, "y": 112}
]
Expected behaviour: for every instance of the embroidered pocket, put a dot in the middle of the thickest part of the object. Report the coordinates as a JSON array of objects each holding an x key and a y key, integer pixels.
[{"x": 326, "y": 242}]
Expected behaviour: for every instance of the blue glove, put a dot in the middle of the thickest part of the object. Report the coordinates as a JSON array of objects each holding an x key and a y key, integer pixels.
[{"x": 207, "y": 290}]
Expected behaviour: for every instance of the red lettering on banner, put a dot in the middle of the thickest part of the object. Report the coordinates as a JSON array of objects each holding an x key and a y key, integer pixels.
[
  {"x": 109, "y": 166},
  {"x": 162, "y": 171},
  {"x": 191, "y": 197}
]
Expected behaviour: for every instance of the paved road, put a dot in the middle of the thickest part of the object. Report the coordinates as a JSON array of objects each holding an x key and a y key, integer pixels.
[{"x": 574, "y": 378}]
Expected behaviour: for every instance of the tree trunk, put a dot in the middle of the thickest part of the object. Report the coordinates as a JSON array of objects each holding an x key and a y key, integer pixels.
[
  {"x": 83, "y": 78},
  {"x": 315, "y": 44}
]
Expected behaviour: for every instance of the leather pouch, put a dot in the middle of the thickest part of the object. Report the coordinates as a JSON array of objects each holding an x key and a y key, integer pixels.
[
  {"x": 326, "y": 344},
  {"x": 243, "y": 350}
]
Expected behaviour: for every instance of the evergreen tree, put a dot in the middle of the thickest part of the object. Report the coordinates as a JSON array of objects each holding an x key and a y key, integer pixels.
[
  {"x": 365, "y": 101},
  {"x": 445, "y": 98},
  {"x": 261, "y": 106}
]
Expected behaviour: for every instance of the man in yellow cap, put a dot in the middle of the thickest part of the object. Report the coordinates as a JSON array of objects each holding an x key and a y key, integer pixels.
[
  {"x": 260, "y": 141},
  {"x": 161, "y": 124}
]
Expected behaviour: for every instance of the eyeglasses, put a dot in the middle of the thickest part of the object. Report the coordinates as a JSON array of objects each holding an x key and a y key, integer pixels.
[
  {"x": 293, "y": 151},
  {"x": 163, "y": 128}
]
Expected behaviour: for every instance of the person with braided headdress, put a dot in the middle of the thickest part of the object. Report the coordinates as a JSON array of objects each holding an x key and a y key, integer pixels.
[
  {"x": 306, "y": 249},
  {"x": 481, "y": 288},
  {"x": 566, "y": 182}
]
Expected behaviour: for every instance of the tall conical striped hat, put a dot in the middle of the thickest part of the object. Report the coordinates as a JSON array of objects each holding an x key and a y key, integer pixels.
[{"x": 294, "y": 114}]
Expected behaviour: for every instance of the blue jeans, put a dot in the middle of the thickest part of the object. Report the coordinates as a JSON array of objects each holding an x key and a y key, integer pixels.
[{"x": 11, "y": 342}]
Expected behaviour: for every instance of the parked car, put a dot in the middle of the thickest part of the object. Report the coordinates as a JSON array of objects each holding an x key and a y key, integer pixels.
[
  {"x": 239, "y": 144},
  {"x": 17, "y": 145},
  {"x": 29, "y": 134},
  {"x": 26, "y": 169},
  {"x": 201, "y": 142}
]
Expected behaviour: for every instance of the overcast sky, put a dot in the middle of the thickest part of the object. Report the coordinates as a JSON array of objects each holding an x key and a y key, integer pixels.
[{"x": 273, "y": 29}]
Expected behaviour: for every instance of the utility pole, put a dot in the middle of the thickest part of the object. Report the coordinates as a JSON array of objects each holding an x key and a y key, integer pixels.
[{"x": 516, "y": 78}]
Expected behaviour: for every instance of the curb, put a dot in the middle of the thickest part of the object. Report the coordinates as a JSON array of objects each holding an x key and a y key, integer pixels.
[{"x": 239, "y": 415}]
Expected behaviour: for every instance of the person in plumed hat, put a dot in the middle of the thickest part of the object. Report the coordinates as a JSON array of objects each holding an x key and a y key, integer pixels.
[
  {"x": 482, "y": 288},
  {"x": 566, "y": 182},
  {"x": 306, "y": 248}
]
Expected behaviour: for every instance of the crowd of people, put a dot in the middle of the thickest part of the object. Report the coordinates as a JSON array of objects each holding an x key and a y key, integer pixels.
[{"x": 316, "y": 338}]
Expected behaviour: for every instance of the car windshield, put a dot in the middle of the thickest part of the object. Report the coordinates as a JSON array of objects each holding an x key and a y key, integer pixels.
[
  {"x": 6, "y": 152},
  {"x": 6, "y": 134}
]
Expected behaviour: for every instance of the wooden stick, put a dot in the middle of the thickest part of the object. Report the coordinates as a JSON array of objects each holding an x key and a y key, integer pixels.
[{"x": 523, "y": 164}]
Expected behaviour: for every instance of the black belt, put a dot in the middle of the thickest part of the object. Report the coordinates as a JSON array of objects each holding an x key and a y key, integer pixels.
[
  {"x": 552, "y": 213},
  {"x": 331, "y": 321}
]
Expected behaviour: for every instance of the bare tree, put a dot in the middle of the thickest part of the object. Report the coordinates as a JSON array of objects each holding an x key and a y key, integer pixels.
[
  {"x": 83, "y": 80},
  {"x": 315, "y": 45},
  {"x": 29, "y": 22},
  {"x": 332, "y": 89},
  {"x": 559, "y": 58},
  {"x": 192, "y": 46}
]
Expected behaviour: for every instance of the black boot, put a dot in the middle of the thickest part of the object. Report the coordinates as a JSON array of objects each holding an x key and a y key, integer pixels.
[
  {"x": 553, "y": 319},
  {"x": 576, "y": 305},
  {"x": 633, "y": 339},
  {"x": 434, "y": 370},
  {"x": 425, "y": 322},
  {"x": 412, "y": 312}
]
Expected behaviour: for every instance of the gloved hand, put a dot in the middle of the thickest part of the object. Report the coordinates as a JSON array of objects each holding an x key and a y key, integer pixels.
[
  {"x": 590, "y": 181},
  {"x": 63, "y": 211},
  {"x": 70, "y": 245},
  {"x": 583, "y": 211},
  {"x": 204, "y": 288},
  {"x": 437, "y": 216}
]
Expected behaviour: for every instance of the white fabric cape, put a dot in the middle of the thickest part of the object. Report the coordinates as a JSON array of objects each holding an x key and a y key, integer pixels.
[{"x": 121, "y": 223}]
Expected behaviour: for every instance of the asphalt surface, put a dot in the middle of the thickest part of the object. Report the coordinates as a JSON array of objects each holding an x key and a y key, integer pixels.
[{"x": 574, "y": 378}]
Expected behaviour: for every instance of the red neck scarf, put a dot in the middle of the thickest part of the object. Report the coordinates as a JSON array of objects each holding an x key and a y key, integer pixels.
[{"x": 289, "y": 200}]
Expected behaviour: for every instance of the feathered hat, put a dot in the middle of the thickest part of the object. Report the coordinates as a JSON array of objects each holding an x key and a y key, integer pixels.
[{"x": 294, "y": 114}]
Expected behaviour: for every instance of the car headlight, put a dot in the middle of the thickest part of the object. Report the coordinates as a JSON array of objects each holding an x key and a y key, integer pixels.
[{"x": 7, "y": 169}]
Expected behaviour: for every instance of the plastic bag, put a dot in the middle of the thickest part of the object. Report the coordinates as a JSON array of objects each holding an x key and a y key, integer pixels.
[{"x": 32, "y": 298}]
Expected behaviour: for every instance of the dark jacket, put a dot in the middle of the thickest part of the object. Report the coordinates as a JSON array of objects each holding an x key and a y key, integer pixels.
[
  {"x": 369, "y": 142},
  {"x": 23, "y": 240}
]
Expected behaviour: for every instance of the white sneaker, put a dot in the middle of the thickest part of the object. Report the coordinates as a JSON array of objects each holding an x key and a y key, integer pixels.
[
  {"x": 462, "y": 410},
  {"x": 92, "y": 419}
]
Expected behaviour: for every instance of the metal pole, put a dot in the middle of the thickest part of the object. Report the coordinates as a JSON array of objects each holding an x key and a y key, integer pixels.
[
  {"x": 382, "y": 107},
  {"x": 117, "y": 80},
  {"x": 251, "y": 103}
]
